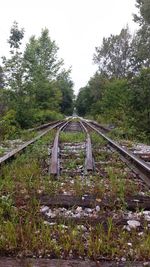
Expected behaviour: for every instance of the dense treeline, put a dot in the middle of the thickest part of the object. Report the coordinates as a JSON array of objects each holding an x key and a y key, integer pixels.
[
  {"x": 119, "y": 92},
  {"x": 34, "y": 86}
]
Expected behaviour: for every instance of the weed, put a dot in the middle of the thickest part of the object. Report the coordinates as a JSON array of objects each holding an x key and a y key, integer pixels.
[
  {"x": 72, "y": 137},
  {"x": 2, "y": 151}
]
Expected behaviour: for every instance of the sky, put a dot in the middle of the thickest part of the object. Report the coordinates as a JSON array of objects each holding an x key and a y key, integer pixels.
[{"x": 77, "y": 26}]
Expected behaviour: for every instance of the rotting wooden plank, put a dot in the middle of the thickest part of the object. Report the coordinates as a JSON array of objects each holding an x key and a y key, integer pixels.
[{"x": 68, "y": 201}]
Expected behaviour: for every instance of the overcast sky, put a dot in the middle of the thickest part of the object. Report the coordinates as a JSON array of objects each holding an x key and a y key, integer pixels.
[{"x": 77, "y": 26}]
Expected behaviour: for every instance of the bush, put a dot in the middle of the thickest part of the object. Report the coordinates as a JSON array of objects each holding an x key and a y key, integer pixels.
[
  {"x": 43, "y": 116},
  {"x": 9, "y": 128}
]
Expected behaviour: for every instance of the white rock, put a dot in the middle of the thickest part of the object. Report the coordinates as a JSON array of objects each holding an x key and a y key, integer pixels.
[
  {"x": 64, "y": 226},
  {"x": 52, "y": 223},
  {"x": 147, "y": 218},
  {"x": 140, "y": 234},
  {"x": 44, "y": 209},
  {"x": 78, "y": 215},
  {"x": 79, "y": 209},
  {"x": 88, "y": 210},
  {"x": 142, "y": 193},
  {"x": 50, "y": 214},
  {"x": 47, "y": 223},
  {"x": 146, "y": 264},
  {"x": 82, "y": 227},
  {"x": 133, "y": 223},
  {"x": 136, "y": 200},
  {"x": 62, "y": 209},
  {"x": 146, "y": 212},
  {"x": 97, "y": 208}
]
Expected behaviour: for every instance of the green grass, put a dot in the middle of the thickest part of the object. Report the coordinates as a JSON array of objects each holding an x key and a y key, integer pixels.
[
  {"x": 2, "y": 151},
  {"x": 72, "y": 137},
  {"x": 97, "y": 139}
]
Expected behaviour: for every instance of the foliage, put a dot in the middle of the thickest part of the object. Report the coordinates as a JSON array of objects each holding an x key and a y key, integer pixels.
[
  {"x": 32, "y": 82},
  {"x": 119, "y": 92},
  {"x": 88, "y": 96},
  {"x": 123, "y": 103},
  {"x": 140, "y": 100},
  {"x": 113, "y": 56},
  {"x": 144, "y": 10},
  {"x": 65, "y": 85},
  {"x": 1, "y": 78},
  {"x": 8, "y": 126},
  {"x": 42, "y": 116}
]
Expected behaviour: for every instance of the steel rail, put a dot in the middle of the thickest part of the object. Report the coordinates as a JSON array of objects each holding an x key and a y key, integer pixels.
[
  {"x": 43, "y": 126},
  {"x": 54, "y": 165},
  {"x": 139, "y": 164},
  {"x": 105, "y": 129},
  {"x": 11, "y": 154},
  {"x": 89, "y": 157}
]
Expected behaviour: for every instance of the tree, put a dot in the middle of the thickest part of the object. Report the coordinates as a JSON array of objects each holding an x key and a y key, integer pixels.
[
  {"x": 141, "y": 40},
  {"x": 14, "y": 75},
  {"x": 42, "y": 66},
  {"x": 16, "y": 36},
  {"x": 65, "y": 85},
  {"x": 82, "y": 104},
  {"x": 1, "y": 78},
  {"x": 35, "y": 86},
  {"x": 113, "y": 56},
  {"x": 91, "y": 94},
  {"x": 141, "y": 49},
  {"x": 140, "y": 100},
  {"x": 41, "y": 57},
  {"x": 144, "y": 9},
  {"x": 13, "y": 67}
]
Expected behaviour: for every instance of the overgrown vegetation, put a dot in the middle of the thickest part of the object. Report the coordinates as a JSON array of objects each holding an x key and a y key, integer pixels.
[
  {"x": 119, "y": 92},
  {"x": 24, "y": 231},
  {"x": 34, "y": 86}
]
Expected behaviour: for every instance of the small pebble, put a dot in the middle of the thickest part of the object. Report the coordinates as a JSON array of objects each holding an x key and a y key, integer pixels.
[
  {"x": 133, "y": 223},
  {"x": 97, "y": 208}
]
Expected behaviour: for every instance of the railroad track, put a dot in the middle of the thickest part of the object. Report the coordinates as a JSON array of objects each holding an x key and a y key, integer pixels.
[
  {"x": 42, "y": 130},
  {"x": 137, "y": 164},
  {"x": 90, "y": 203}
]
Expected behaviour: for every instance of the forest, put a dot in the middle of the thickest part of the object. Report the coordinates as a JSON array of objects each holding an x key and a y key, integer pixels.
[
  {"x": 119, "y": 92},
  {"x": 36, "y": 88}
]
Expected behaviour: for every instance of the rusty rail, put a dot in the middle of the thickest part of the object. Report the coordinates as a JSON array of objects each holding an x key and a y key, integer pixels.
[
  {"x": 54, "y": 164},
  {"x": 140, "y": 165},
  {"x": 14, "y": 152},
  {"x": 89, "y": 157},
  {"x": 43, "y": 126}
]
